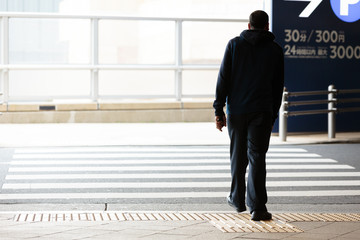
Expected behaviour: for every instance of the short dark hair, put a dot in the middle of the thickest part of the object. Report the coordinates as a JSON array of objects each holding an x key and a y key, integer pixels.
[{"x": 258, "y": 19}]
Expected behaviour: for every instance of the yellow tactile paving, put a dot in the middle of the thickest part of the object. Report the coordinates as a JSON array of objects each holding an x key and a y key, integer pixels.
[
  {"x": 316, "y": 217},
  {"x": 226, "y": 222},
  {"x": 273, "y": 226}
]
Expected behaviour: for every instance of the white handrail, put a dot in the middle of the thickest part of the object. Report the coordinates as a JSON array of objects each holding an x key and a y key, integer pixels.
[
  {"x": 178, "y": 66},
  {"x": 115, "y": 17}
]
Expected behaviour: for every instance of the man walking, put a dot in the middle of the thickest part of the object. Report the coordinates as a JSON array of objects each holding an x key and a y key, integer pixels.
[{"x": 250, "y": 82}]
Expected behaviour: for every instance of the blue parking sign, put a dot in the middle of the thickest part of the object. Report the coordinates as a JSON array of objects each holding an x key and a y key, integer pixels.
[{"x": 321, "y": 42}]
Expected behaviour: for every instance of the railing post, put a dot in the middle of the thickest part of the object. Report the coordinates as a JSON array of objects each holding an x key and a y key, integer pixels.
[
  {"x": 178, "y": 59},
  {"x": 94, "y": 59},
  {"x": 5, "y": 58},
  {"x": 331, "y": 114},
  {"x": 283, "y": 117}
]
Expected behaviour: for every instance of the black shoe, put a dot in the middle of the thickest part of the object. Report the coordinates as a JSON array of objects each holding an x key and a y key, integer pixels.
[
  {"x": 231, "y": 203},
  {"x": 261, "y": 215}
]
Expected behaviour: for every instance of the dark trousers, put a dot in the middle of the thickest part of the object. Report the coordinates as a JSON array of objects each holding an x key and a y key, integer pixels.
[{"x": 250, "y": 135}]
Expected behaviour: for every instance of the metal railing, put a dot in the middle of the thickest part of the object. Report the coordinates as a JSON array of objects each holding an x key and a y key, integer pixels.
[
  {"x": 94, "y": 65},
  {"x": 331, "y": 110}
]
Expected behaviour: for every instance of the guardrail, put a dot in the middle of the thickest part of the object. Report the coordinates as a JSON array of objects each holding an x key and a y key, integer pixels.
[
  {"x": 94, "y": 66},
  {"x": 331, "y": 110}
]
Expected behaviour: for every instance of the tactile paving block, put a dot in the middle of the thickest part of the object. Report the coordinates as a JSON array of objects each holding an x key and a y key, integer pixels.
[
  {"x": 226, "y": 222},
  {"x": 107, "y": 216},
  {"x": 273, "y": 226},
  {"x": 178, "y": 216},
  {"x": 318, "y": 217}
]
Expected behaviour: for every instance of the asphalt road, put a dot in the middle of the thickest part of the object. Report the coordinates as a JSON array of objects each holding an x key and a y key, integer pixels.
[{"x": 195, "y": 175}]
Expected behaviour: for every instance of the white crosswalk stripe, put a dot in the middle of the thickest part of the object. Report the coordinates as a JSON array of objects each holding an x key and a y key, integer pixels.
[
  {"x": 164, "y": 172},
  {"x": 172, "y": 184},
  {"x": 141, "y": 149},
  {"x": 167, "y": 168},
  {"x": 144, "y": 154},
  {"x": 157, "y": 161},
  {"x": 270, "y": 175},
  {"x": 162, "y": 195}
]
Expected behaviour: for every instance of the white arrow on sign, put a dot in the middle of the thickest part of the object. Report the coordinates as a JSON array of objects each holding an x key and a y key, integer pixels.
[{"x": 309, "y": 9}]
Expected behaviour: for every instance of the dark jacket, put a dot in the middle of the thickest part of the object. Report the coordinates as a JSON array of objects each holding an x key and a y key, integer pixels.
[{"x": 251, "y": 76}]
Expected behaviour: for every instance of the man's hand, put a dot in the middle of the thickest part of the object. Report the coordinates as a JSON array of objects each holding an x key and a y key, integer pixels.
[{"x": 220, "y": 122}]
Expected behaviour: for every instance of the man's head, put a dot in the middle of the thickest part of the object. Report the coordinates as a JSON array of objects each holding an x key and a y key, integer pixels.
[{"x": 258, "y": 20}]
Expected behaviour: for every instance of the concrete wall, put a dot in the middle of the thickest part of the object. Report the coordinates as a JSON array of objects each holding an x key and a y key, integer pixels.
[{"x": 108, "y": 112}]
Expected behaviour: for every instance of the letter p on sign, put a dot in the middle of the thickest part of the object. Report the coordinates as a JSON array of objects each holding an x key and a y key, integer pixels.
[
  {"x": 344, "y": 6},
  {"x": 346, "y": 10}
]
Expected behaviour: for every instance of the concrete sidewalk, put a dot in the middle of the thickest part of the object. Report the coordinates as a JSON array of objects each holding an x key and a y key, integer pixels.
[
  {"x": 110, "y": 134},
  {"x": 29, "y": 221},
  {"x": 187, "y": 226}
]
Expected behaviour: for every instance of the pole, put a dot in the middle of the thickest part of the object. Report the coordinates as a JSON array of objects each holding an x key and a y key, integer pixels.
[
  {"x": 4, "y": 49},
  {"x": 178, "y": 60},
  {"x": 94, "y": 88},
  {"x": 283, "y": 117},
  {"x": 331, "y": 114}
]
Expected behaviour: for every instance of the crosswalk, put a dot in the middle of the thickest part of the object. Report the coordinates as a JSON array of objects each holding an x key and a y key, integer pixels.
[{"x": 155, "y": 174}]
